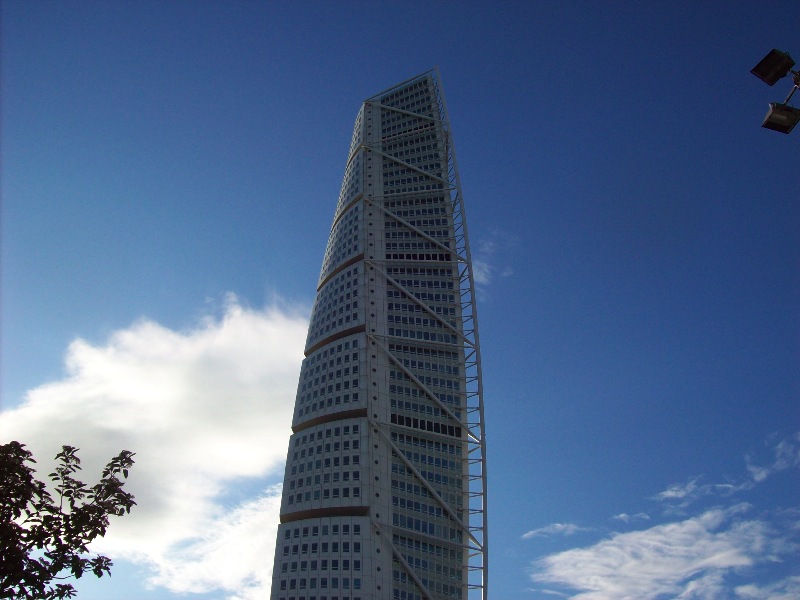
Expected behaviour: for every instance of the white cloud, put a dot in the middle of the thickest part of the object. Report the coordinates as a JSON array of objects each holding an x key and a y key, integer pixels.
[
  {"x": 626, "y": 518},
  {"x": 786, "y": 456},
  {"x": 681, "y": 495},
  {"x": 222, "y": 556},
  {"x": 481, "y": 272},
  {"x": 207, "y": 412},
  {"x": 679, "y": 491},
  {"x": 553, "y": 529},
  {"x": 785, "y": 589},
  {"x": 684, "y": 559},
  {"x": 484, "y": 269}
]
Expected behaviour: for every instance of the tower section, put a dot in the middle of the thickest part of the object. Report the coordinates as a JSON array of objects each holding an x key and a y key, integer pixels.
[{"x": 384, "y": 493}]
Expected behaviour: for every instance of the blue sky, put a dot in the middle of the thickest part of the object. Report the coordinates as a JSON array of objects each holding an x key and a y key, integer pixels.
[{"x": 169, "y": 175}]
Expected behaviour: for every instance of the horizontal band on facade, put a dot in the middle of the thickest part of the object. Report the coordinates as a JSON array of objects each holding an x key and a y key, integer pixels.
[
  {"x": 350, "y": 204},
  {"x": 337, "y": 416},
  {"x": 335, "y": 511},
  {"x": 334, "y": 337},
  {"x": 340, "y": 268}
]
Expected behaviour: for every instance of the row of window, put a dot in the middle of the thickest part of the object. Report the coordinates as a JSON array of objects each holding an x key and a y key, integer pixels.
[
  {"x": 342, "y": 384},
  {"x": 321, "y": 367},
  {"x": 427, "y": 380},
  {"x": 390, "y": 224},
  {"x": 416, "y": 188},
  {"x": 325, "y": 494},
  {"x": 318, "y": 372},
  {"x": 421, "y": 271},
  {"x": 426, "y": 408},
  {"x": 422, "y": 182},
  {"x": 405, "y": 93},
  {"x": 437, "y": 587},
  {"x": 436, "y": 569},
  {"x": 324, "y": 530},
  {"x": 325, "y": 478},
  {"x": 328, "y": 432},
  {"x": 334, "y": 291},
  {"x": 330, "y": 297},
  {"x": 425, "y": 425},
  {"x": 334, "y": 324},
  {"x": 426, "y": 444},
  {"x": 411, "y": 130},
  {"x": 320, "y": 358},
  {"x": 416, "y": 407},
  {"x": 451, "y": 554},
  {"x": 336, "y": 447},
  {"x": 431, "y": 366},
  {"x": 432, "y": 168},
  {"x": 432, "y": 461},
  {"x": 409, "y": 215},
  {"x": 418, "y": 245},
  {"x": 425, "y": 527},
  {"x": 414, "y": 307},
  {"x": 425, "y": 200},
  {"x": 351, "y": 183},
  {"x": 319, "y": 598},
  {"x": 413, "y": 156},
  {"x": 432, "y": 510},
  {"x": 424, "y": 351},
  {"x": 330, "y": 402},
  {"x": 406, "y": 234},
  {"x": 321, "y": 565},
  {"x": 424, "y": 296},
  {"x": 421, "y": 143},
  {"x": 453, "y": 499},
  {"x": 432, "y": 477},
  {"x": 328, "y": 376},
  {"x": 417, "y": 321},
  {"x": 343, "y": 240},
  {"x": 405, "y": 595},
  {"x": 406, "y": 124},
  {"x": 329, "y": 461},
  {"x": 356, "y": 139},
  {"x": 426, "y": 283},
  {"x": 390, "y": 117},
  {"x": 426, "y": 336},
  {"x": 324, "y": 583},
  {"x": 314, "y": 548},
  {"x": 416, "y": 392}
]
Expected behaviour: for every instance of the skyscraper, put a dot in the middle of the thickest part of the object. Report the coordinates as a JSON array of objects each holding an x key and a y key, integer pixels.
[{"x": 384, "y": 494}]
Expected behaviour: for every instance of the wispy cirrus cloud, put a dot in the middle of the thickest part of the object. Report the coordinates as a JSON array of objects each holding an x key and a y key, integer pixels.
[
  {"x": 484, "y": 258},
  {"x": 626, "y": 518},
  {"x": 684, "y": 559},
  {"x": 786, "y": 455},
  {"x": 785, "y": 589},
  {"x": 681, "y": 495},
  {"x": 554, "y": 529},
  {"x": 207, "y": 412},
  {"x": 700, "y": 556}
]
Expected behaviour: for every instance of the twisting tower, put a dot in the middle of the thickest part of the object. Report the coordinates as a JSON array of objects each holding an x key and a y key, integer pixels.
[{"x": 384, "y": 494}]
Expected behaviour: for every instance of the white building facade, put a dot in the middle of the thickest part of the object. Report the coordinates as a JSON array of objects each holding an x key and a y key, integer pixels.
[{"x": 384, "y": 494}]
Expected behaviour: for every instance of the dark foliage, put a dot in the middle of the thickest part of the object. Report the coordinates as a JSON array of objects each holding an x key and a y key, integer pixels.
[{"x": 42, "y": 539}]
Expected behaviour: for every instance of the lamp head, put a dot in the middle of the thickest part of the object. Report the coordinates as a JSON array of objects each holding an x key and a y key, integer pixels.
[
  {"x": 773, "y": 66},
  {"x": 781, "y": 117}
]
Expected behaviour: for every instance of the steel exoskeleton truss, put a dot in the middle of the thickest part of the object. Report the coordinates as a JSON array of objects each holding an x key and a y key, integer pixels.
[{"x": 474, "y": 522}]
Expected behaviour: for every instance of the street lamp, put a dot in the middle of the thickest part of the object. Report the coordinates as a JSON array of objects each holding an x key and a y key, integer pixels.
[{"x": 774, "y": 66}]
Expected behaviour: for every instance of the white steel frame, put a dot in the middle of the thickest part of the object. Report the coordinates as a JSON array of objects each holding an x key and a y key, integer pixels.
[{"x": 475, "y": 526}]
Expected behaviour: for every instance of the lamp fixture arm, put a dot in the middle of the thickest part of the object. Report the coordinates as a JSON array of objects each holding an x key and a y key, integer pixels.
[{"x": 796, "y": 79}]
